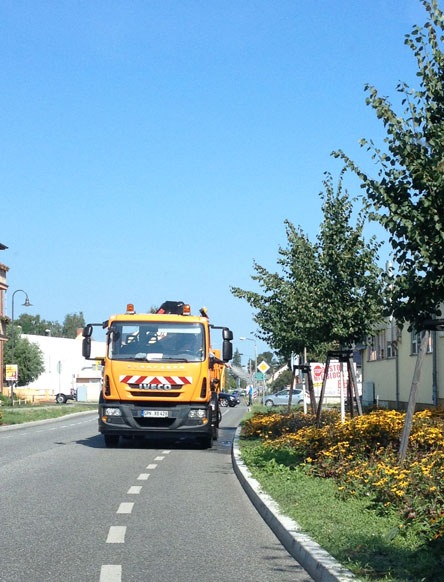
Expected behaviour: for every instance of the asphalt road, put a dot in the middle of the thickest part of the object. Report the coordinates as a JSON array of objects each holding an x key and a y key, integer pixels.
[{"x": 73, "y": 510}]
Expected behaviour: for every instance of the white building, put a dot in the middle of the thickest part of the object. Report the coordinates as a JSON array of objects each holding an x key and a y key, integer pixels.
[{"x": 65, "y": 369}]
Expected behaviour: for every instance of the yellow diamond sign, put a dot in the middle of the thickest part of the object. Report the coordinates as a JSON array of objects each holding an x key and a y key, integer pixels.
[{"x": 263, "y": 367}]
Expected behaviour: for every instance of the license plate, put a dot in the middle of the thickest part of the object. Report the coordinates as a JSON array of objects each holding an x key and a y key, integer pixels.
[{"x": 154, "y": 413}]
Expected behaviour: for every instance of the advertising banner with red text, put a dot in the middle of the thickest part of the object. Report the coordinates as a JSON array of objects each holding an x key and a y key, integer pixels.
[{"x": 332, "y": 388}]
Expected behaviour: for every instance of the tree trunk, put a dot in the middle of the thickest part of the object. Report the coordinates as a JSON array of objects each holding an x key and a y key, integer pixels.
[
  {"x": 321, "y": 396},
  {"x": 311, "y": 392},
  {"x": 412, "y": 398}
]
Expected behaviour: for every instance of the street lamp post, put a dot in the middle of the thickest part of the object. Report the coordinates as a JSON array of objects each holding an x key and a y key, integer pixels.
[
  {"x": 26, "y": 304},
  {"x": 249, "y": 339}
]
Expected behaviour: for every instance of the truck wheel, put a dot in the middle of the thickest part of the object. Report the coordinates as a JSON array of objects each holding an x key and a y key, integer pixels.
[
  {"x": 111, "y": 440},
  {"x": 60, "y": 399},
  {"x": 206, "y": 442}
]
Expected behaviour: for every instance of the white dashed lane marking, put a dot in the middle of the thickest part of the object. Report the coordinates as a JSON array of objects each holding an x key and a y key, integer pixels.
[
  {"x": 125, "y": 508},
  {"x": 110, "y": 573},
  {"x": 135, "y": 490},
  {"x": 116, "y": 534}
]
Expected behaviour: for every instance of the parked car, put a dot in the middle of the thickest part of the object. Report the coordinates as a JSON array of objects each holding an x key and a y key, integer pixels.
[
  {"x": 281, "y": 398},
  {"x": 226, "y": 399},
  {"x": 237, "y": 395},
  {"x": 62, "y": 397}
]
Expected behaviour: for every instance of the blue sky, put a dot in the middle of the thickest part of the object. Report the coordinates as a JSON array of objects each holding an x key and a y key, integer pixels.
[{"x": 152, "y": 149}]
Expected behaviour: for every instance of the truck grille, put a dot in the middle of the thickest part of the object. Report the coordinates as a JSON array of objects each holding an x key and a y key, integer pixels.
[
  {"x": 154, "y": 422},
  {"x": 158, "y": 394}
]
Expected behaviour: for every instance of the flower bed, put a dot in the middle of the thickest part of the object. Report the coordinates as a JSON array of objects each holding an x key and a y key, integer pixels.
[{"x": 361, "y": 455}]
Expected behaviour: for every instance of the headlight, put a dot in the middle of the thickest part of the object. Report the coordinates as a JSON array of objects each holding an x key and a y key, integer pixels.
[
  {"x": 197, "y": 413},
  {"x": 112, "y": 412}
]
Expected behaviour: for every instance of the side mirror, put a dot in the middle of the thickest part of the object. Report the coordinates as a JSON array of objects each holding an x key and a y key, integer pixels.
[
  {"x": 87, "y": 330},
  {"x": 227, "y": 334},
  {"x": 227, "y": 350},
  {"x": 86, "y": 347}
]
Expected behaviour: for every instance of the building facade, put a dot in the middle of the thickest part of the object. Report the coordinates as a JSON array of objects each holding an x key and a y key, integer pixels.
[
  {"x": 3, "y": 318},
  {"x": 388, "y": 364}
]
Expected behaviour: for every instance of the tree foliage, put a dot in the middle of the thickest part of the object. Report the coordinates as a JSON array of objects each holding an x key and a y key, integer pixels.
[
  {"x": 27, "y": 355},
  {"x": 73, "y": 322},
  {"x": 408, "y": 192},
  {"x": 34, "y": 325},
  {"x": 282, "y": 381},
  {"x": 328, "y": 293}
]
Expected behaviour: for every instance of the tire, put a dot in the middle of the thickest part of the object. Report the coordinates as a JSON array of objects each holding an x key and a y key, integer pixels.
[
  {"x": 206, "y": 442},
  {"x": 111, "y": 440},
  {"x": 223, "y": 402},
  {"x": 269, "y": 403},
  {"x": 60, "y": 399}
]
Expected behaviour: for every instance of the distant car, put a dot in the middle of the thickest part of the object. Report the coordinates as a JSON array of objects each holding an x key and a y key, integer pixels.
[
  {"x": 226, "y": 399},
  {"x": 237, "y": 395},
  {"x": 62, "y": 397},
  {"x": 281, "y": 398}
]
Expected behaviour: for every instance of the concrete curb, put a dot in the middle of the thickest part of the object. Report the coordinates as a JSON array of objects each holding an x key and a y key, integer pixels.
[
  {"x": 44, "y": 421},
  {"x": 316, "y": 561}
]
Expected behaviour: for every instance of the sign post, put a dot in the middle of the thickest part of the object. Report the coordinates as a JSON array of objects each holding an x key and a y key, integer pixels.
[{"x": 263, "y": 368}]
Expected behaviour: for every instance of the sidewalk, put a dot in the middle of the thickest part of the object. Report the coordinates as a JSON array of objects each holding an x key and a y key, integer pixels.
[{"x": 317, "y": 562}]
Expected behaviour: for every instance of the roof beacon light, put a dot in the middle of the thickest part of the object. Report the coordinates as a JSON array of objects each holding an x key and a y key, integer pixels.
[
  {"x": 186, "y": 309},
  {"x": 130, "y": 309}
]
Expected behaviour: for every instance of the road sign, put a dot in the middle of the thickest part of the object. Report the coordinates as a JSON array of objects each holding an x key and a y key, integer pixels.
[
  {"x": 11, "y": 374},
  {"x": 263, "y": 367},
  {"x": 259, "y": 376}
]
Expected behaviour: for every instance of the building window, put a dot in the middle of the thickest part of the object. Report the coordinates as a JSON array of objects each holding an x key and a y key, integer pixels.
[
  {"x": 415, "y": 342},
  {"x": 391, "y": 350},
  {"x": 377, "y": 347}
]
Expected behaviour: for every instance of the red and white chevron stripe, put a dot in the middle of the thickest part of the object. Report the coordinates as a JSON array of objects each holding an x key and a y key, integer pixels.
[{"x": 172, "y": 380}]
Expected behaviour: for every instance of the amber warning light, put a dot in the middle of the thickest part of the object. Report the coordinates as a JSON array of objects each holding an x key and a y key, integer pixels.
[
  {"x": 130, "y": 308},
  {"x": 186, "y": 309}
]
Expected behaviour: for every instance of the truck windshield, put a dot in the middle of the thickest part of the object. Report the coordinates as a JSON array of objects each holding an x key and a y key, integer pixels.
[{"x": 156, "y": 341}]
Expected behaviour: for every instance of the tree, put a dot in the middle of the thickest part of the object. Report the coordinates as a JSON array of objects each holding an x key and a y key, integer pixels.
[
  {"x": 282, "y": 324},
  {"x": 282, "y": 381},
  {"x": 73, "y": 322},
  {"x": 34, "y": 325},
  {"x": 408, "y": 193},
  {"x": 27, "y": 355},
  {"x": 237, "y": 360},
  {"x": 328, "y": 293}
]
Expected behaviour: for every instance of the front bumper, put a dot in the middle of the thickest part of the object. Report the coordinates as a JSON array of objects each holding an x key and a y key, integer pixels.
[{"x": 132, "y": 421}]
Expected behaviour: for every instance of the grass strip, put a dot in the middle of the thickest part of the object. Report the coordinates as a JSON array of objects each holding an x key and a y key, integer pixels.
[
  {"x": 374, "y": 547},
  {"x": 22, "y": 415}
]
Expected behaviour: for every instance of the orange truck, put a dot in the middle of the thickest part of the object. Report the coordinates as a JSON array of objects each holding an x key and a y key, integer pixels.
[{"x": 161, "y": 377}]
